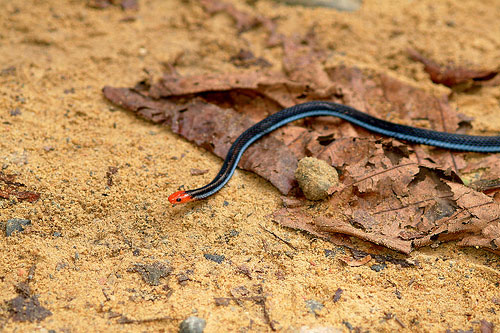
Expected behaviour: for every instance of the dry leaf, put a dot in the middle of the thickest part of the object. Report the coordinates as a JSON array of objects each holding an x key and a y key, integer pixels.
[
  {"x": 451, "y": 75},
  {"x": 356, "y": 262}
]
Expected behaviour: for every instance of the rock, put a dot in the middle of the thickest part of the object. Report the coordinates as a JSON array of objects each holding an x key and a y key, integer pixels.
[
  {"x": 315, "y": 177},
  {"x": 192, "y": 325},
  {"x": 16, "y": 225}
]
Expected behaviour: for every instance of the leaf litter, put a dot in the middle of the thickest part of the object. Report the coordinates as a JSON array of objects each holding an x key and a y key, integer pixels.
[{"x": 391, "y": 193}]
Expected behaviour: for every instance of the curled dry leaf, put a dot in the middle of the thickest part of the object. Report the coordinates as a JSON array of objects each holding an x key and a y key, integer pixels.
[{"x": 452, "y": 75}]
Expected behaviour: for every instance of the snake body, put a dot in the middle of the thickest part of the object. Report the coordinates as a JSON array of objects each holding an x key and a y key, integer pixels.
[{"x": 481, "y": 144}]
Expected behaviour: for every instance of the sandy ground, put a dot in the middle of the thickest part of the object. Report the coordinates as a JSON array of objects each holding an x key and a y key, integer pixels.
[{"x": 86, "y": 236}]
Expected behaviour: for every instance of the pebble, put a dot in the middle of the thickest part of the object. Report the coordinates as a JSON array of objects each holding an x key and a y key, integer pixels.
[
  {"x": 15, "y": 112},
  {"x": 378, "y": 267},
  {"x": 315, "y": 177},
  {"x": 16, "y": 225},
  {"x": 329, "y": 253},
  {"x": 192, "y": 325},
  {"x": 314, "y": 306},
  {"x": 214, "y": 257}
]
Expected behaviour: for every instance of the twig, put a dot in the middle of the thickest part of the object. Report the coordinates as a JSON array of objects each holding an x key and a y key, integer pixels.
[{"x": 278, "y": 237}]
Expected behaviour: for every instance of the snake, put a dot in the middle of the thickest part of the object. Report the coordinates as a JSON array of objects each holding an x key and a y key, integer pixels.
[{"x": 451, "y": 141}]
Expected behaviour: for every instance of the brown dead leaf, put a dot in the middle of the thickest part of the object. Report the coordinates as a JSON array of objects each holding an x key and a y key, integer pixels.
[
  {"x": 452, "y": 75},
  {"x": 356, "y": 262},
  {"x": 20, "y": 195},
  {"x": 11, "y": 188},
  {"x": 296, "y": 218},
  {"x": 336, "y": 226}
]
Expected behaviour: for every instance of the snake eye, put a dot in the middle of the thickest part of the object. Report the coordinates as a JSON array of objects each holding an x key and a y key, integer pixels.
[{"x": 178, "y": 200}]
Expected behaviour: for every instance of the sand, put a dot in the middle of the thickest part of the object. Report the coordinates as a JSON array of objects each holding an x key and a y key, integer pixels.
[{"x": 87, "y": 235}]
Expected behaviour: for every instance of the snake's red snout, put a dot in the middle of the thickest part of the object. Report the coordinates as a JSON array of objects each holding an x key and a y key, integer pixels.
[{"x": 180, "y": 197}]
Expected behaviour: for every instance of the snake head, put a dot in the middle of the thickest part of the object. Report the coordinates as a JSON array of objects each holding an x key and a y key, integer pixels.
[{"x": 180, "y": 197}]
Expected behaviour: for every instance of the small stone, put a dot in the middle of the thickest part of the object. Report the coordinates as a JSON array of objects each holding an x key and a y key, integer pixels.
[
  {"x": 214, "y": 257},
  {"x": 15, "y": 112},
  {"x": 315, "y": 177},
  {"x": 348, "y": 325},
  {"x": 378, "y": 267},
  {"x": 314, "y": 306},
  {"x": 16, "y": 225},
  {"x": 329, "y": 253},
  {"x": 7, "y": 71},
  {"x": 192, "y": 325},
  {"x": 60, "y": 265}
]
